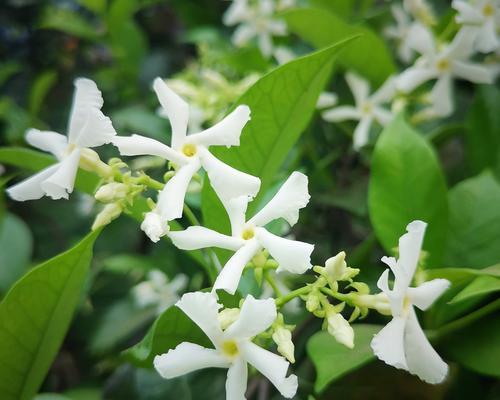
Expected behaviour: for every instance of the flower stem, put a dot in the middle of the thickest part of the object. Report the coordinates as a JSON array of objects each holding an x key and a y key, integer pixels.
[
  {"x": 282, "y": 300},
  {"x": 190, "y": 215},
  {"x": 269, "y": 279}
]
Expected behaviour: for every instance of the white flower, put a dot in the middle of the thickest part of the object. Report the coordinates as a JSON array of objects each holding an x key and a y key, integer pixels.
[
  {"x": 402, "y": 342},
  {"x": 421, "y": 11},
  {"x": 249, "y": 237},
  {"x": 400, "y": 32},
  {"x": 189, "y": 153},
  {"x": 158, "y": 291},
  {"x": 368, "y": 107},
  {"x": 254, "y": 20},
  {"x": 233, "y": 346},
  {"x": 88, "y": 127},
  {"x": 443, "y": 64},
  {"x": 483, "y": 16},
  {"x": 340, "y": 329}
]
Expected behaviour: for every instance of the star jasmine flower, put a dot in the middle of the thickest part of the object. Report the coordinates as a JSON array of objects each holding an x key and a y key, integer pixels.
[
  {"x": 254, "y": 19},
  {"x": 443, "y": 64},
  {"x": 421, "y": 11},
  {"x": 367, "y": 109},
  {"x": 248, "y": 238},
  {"x": 88, "y": 127},
  {"x": 483, "y": 17},
  {"x": 400, "y": 32},
  {"x": 233, "y": 346},
  {"x": 402, "y": 342},
  {"x": 189, "y": 153}
]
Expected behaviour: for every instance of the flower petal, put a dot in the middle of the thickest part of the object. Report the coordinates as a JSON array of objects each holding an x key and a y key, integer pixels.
[
  {"x": 188, "y": 357},
  {"x": 203, "y": 310},
  {"x": 52, "y": 142},
  {"x": 176, "y": 109},
  {"x": 236, "y": 382},
  {"x": 154, "y": 226},
  {"x": 362, "y": 132},
  {"x": 236, "y": 209},
  {"x": 137, "y": 145},
  {"x": 291, "y": 255},
  {"x": 467, "y": 14},
  {"x": 236, "y": 12},
  {"x": 230, "y": 275},
  {"x": 199, "y": 237},
  {"x": 421, "y": 39},
  {"x": 265, "y": 42},
  {"x": 62, "y": 181},
  {"x": 243, "y": 33},
  {"x": 472, "y": 72},
  {"x": 410, "y": 245},
  {"x": 272, "y": 366},
  {"x": 255, "y": 317},
  {"x": 341, "y": 113},
  {"x": 227, "y": 181},
  {"x": 226, "y": 132},
  {"x": 442, "y": 97},
  {"x": 385, "y": 93},
  {"x": 421, "y": 358},
  {"x": 326, "y": 99},
  {"x": 388, "y": 344},
  {"x": 487, "y": 38},
  {"x": 96, "y": 129},
  {"x": 462, "y": 45},
  {"x": 427, "y": 293},
  {"x": 383, "y": 116},
  {"x": 286, "y": 203},
  {"x": 30, "y": 188},
  {"x": 414, "y": 77},
  {"x": 360, "y": 87}
]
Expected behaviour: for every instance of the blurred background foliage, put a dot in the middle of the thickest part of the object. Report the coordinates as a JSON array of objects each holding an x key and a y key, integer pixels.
[{"x": 123, "y": 45}]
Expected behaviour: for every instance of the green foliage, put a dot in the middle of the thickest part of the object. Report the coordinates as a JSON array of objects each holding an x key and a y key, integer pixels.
[
  {"x": 333, "y": 360},
  {"x": 406, "y": 184},
  {"x": 342, "y": 8},
  {"x": 67, "y": 21},
  {"x": 34, "y": 318},
  {"x": 480, "y": 286},
  {"x": 39, "y": 91},
  {"x": 368, "y": 55}
]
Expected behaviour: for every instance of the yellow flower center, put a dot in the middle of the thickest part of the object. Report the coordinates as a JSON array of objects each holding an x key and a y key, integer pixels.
[
  {"x": 189, "y": 150},
  {"x": 406, "y": 305},
  {"x": 248, "y": 234},
  {"x": 366, "y": 108},
  {"x": 230, "y": 348},
  {"x": 443, "y": 65},
  {"x": 488, "y": 10},
  {"x": 70, "y": 148}
]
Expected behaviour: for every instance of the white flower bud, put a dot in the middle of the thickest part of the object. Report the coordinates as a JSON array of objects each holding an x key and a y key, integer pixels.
[
  {"x": 312, "y": 302},
  {"x": 108, "y": 214},
  {"x": 283, "y": 338},
  {"x": 336, "y": 268},
  {"x": 90, "y": 161},
  {"x": 154, "y": 227},
  {"x": 378, "y": 302},
  {"x": 111, "y": 192},
  {"x": 227, "y": 316},
  {"x": 340, "y": 329}
]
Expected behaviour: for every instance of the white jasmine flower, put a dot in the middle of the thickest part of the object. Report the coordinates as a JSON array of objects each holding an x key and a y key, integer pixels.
[
  {"x": 483, "y": 16},
  {"x": 189, "y": 153},
  {"x": 255, "y": 20},
  {"x": 400, "y": 32},
  {"x": 249, "y": 237},
  {"x": 421, "y": 11},
  {"x": 158, "y": 291},
  {"x": 402, "y": 342},
  {"x": 367, "y": 109},
  {"x": 340, "y": 329},
  {"x": 443, "y": 64},
  {"x": 88, "y": 127},
  {"x": 233, "y": 346}
]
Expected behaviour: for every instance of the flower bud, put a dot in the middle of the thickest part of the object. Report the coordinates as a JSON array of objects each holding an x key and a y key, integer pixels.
[
  {"x": 108, "y": 214},
  {"x": 283, "y": 338},
  {"x": 336, "y": 268},
  {"x": 154, "y": 227},
  {"x": 90, "y": 161},
  {"x": 312, "y": 302},
  {"x": 227, "y": 316},
  {"x": 111, "y": 192},
  {"x": 340, "y": 329},
  {"x": 378, "y": 302}
]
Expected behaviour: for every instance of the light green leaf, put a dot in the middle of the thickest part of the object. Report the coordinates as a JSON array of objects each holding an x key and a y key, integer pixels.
[
  {"x": 480, "y": 286},
  {"x": 170, "y": 329},
  {"x": 68, "y": 21},
  {"x": 368, "y": 55},
  {"x": 333, "y": 360},
  {"x": 282, "y": 103},
  {"x": 16, "y": 245},
  {"x": 407, "y": 184},
  {"x": 35, "y": 316},
  {"x": 459, "y": 276},
  {"x": 39, "y": 90},
  {"x": 474, "y": 222},
  {"x": 342, "y": 8}
]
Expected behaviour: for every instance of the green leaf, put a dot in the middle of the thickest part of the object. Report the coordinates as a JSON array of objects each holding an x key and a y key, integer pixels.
[
  {"x": 35, "y": 316},
  {"x": 368, "y": 55},
  {"x": 407, "y": 184},
  {"x": 282, "y": 104},
  {"x": 67, "y": 21},
  {"x": 16, "y": 245},
  {"x": 342, "y": 8},
  {"x": 482, "y": 136},
  {"x": 474, "y": 222},
  {"x": 480, "y": 286},
  {"x": 39, "y": 90},
  {"x": 333, "y": 360},
  {"x": 459, "y": 276},
  {"x": 171, "y": 328}
]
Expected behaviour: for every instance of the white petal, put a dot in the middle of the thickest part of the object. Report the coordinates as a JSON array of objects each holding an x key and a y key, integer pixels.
[
  {"x": 291, "y": 255},
  {"x": 427, "y": 293},
  {"x": 255, "y": 317},
  {"x": 421, "y": 358},
  {"x": 326, "y": 99},
  {"x": 226, "y": 132},
  {"x": 421, "y": 39},
  {"x": 272, "y": 366},
  {"x": 265, "y": 43},
  {"x": 487, "y": 38},
  {"x": 462, "y": 45},
  {"x": 229, "y": 277},
  {"x": 467, "y": 14},
  {"x": 277, "y": 27},
  {"x": 86, "y": 96},
  {"x": 52, "y": 142},
  {"x": 188, "y": 357},
  {"x": 236, "y": 382},
  {"x": 238, "y": 11},
  {"x": 284, "y": 55},
  {"x": 361, "y": 133},
  {"x": 137, "y": 145},
  {"x": 414, "y": 77},
  {"x": 341, "y": 113},
  {"x": 31, "y": 189},
  {"x": 171, "y": 198},
  {"x": 410, "y": 245},
  {"x": 388, "y": 344},
  {"x": 236, "y": 209},
  {"x": 96, "y": 129},
  {"x": 472, "y": 72},
  {"x": 176, "y": 109},
  {"x": 62, "y": 181},
  {"x": 383, "y": 116},
  {"x": 360, "y": 87},
  {"x": 154, "y": 226},
  {"x": 228, "y": 182},
  {"x": 203, "y": 310},
  {"x": 385, "y": 93},
  {"x": 243, "y": 34},
  {"x": 199, "y": 237},
  {"x": 442, "y": 96},
  {"x": 286, "y": 203}
]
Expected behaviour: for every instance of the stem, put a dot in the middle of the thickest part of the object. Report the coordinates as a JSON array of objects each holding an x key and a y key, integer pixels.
[
  {"x": 190, "y": 215},
  {"x": 282, "y": 300},
  {"x": 269, "y": 279},
  {"x": 150, "y": 182},
  {"x": 338, "y": 296}
]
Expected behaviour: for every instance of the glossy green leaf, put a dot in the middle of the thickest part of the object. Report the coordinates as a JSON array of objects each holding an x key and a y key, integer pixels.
[
  {"x": 333, "y": 360},
  {"x": 461, "y": 275},
  {"x": 407, "y": 184},
  {"x": 35, "y": 316},
  {"x": 368, "y": 55},
  {"x": 480, "y": 286},
  {"x": 474, "y": 222},
  {"x": 282, "y": 103}
]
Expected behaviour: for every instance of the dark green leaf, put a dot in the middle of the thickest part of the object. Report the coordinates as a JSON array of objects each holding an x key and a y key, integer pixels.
[
  {"x": 39, "y": 90},
  {"x": 480, "y": 286},
  {"x": 68, "y": 21}
]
